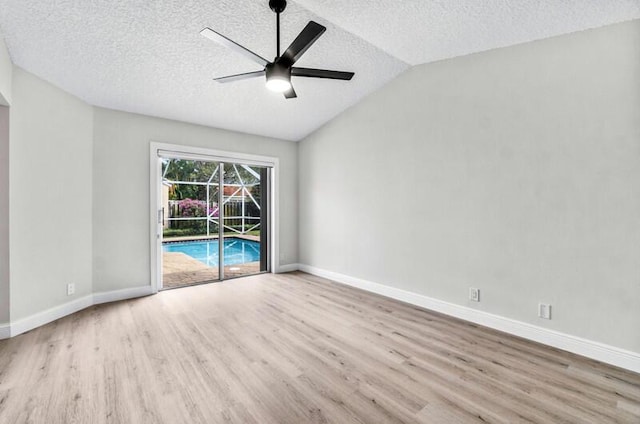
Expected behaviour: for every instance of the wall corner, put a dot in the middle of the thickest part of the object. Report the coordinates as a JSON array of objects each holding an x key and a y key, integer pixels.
[{"x": 6, "y": 75}]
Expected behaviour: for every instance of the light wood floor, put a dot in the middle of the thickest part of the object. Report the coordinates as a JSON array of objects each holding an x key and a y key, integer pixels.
[{"x": 295, "y": 349}]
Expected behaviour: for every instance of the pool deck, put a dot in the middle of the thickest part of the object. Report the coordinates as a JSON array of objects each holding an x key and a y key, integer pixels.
[{"x": 180, "y": 270}]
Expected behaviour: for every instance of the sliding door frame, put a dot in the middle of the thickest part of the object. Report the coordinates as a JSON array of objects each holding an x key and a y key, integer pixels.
[{"x": 178, "y": 151}]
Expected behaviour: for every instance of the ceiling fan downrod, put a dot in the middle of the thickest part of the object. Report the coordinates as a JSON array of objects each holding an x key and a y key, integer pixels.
[{"x": 278, "y": 6}]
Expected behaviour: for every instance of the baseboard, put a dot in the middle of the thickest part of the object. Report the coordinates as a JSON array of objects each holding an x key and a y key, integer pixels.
[
  {"x": 124, "y": 294},
  {"x": 287, "y": 268},
  {"x": 590, "y": 349},
  {"x": 41, "y": 318},
  {"x": 5, "y": 331}
]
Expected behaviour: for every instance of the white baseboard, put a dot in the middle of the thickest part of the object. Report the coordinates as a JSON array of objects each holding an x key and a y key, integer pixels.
[
  {"x": 287, "y": 268},
  {"x": 590, "y": 349},
  {"x": 41, "y": 318},
  {"x": 115, "y": 295},
  {"x": 5, "y": 331}
]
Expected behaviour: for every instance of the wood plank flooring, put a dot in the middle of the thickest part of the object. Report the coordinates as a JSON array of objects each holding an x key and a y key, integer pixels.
[{"x": 295, "y": 349}]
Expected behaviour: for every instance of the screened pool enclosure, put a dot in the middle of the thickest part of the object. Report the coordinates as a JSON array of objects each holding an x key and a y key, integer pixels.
[
  {"x": 214, "y": 219},
  {"x": 192, "y": 191}
]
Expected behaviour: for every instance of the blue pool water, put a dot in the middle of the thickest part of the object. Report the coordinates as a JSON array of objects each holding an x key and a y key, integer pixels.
[{"x": 236, "y": 251}]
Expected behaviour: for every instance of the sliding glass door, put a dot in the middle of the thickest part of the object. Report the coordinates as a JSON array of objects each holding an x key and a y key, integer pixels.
[
  {"x": 214, "y": 218},
  {"x": 245, "y": 218}
]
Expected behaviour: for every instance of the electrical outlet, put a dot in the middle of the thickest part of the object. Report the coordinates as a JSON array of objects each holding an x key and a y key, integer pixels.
[
  {"x": 474, "y": 294},
  {"x": 71, "y": 289},
  {"x": 544, "y": 310}
]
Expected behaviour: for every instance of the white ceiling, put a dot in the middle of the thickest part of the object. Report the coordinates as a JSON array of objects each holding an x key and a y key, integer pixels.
[
  {"x": 147, "y": 56},
  {"x": 422, "y": 31}
]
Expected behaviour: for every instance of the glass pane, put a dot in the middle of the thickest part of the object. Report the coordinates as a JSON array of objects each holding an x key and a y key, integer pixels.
[
  {"x": 190, "y": 228},
  {"x": 244, "y": 232}
]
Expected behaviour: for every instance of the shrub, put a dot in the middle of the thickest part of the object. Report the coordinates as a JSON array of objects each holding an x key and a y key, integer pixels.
[
  {"x": 177, "y": 232},
  {"x": 189, "y": 208}
]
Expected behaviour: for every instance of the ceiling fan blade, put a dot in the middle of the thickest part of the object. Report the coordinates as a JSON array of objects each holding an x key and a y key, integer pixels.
[
  {"x": 290, "y": 94},
  {"x": 219, "y": 38},
  {"x": 240, "y": 77},
  {"x": 321, "y": 73},
  {"x": 303, "y": 41}
]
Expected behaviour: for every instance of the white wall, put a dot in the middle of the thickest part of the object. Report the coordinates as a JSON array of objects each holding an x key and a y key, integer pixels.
[
  {"x": 4, "y": 215},
  {"x": 121, "y": 189},
  {"x": 6, "y": 71},
  {"x": 516, "y": 171},
  {"x": 50, "y": 195}
]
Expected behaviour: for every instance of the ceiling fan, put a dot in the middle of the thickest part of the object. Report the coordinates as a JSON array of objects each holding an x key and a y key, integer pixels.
[{"x": 279, "y": 72}]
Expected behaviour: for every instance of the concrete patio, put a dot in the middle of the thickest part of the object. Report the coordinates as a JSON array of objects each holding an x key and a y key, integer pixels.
[{"x": 180, "y": 270}]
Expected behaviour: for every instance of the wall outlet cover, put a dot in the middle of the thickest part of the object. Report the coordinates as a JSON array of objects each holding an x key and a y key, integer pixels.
[
  {"x": 544, "y": 310},
  {"x": 71, "y": 289},
  {"x": 474, "y": 294}
]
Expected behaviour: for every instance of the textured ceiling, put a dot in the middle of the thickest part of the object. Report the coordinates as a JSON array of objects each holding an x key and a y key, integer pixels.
[
  {"x": 148, "y": 57},
  {"x": 422, "y": 31}
]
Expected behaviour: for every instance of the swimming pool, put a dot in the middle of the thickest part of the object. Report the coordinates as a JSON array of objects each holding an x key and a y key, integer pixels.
[{"x": 236, "y": 251}]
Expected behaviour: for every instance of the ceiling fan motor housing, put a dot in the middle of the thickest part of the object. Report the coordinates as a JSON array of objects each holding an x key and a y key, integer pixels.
[
  {"x": 278, "y": 6},
  {"x": 278, "y": 70}
]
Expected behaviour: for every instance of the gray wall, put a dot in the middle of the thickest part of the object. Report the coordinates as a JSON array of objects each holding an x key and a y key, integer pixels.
[
  {"x": 517, "y": 171},
  {"x": 6, "y": 71},
  {"x": 4, "y": 215},
  {"x": 121, "y": 189},
  {"x": 77, "y": 194},
  {"x": 50, "y": 195}
]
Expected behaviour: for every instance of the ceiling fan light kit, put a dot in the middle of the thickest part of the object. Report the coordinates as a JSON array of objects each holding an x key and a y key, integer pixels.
[
  {"x": 279, "y": 72},
  {"x": 278, "y": 78}
]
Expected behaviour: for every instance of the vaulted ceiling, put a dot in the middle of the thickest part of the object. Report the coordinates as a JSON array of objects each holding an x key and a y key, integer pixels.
[{"x": 147, "y": 56}]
